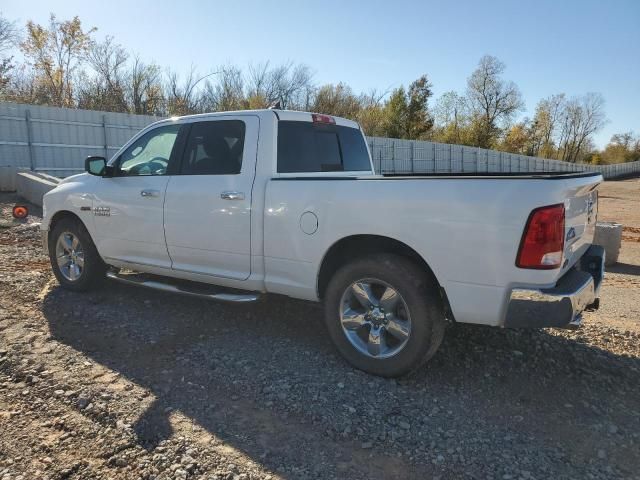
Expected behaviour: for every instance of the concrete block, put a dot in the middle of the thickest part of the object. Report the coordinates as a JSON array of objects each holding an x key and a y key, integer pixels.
[
  {"x": 609, "y": 235},
  {"x": 7, "y": 179},
  {"x": 32, "y": 186}
]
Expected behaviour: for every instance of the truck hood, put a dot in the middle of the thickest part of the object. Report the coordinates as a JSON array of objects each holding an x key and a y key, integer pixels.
[{"x": 80, "y": 177}]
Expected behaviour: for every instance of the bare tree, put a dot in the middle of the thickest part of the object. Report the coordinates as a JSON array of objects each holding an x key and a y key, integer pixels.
[
  {"x": 289, "y": 84},
  {"x": 9, "y": 34},
  {"x": 581, "y": 118},
  {"x": 106, "y": 89},
  {"x": 224, "y": 92},
  {"x": 493, "y": 100},
  {"x": 9, "y": 38},
  {"x": 182, "y": 95},
  {"x": 144, "y": 88}
]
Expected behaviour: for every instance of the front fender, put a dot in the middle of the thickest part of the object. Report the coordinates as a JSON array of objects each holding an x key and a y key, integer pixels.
[{"x": 72, "y": 195}]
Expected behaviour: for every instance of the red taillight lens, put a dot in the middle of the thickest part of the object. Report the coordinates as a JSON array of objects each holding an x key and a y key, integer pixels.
[
  {"x": 319, "y": 118},
  {"x": 543, "y": 239}
]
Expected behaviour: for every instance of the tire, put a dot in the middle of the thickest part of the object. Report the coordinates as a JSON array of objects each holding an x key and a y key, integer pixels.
[
  {"x": 416, "y": 318},
  {"x": 80, "y": 251}
]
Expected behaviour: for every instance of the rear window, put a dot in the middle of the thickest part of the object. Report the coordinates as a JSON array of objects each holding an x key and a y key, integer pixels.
[{"x": 319, "y": 147}]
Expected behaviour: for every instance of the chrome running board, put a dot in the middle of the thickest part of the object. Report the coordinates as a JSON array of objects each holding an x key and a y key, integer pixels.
[{"x": 184, "y": 288}]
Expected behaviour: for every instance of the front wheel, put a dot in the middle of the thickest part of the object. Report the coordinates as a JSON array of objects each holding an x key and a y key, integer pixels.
[
  {"x": 74, "y": 258},
  {"x": 384, "y": 315}
]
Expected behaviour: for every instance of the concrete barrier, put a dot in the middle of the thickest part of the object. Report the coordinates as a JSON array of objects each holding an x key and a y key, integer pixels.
[
  {"x": 32, "y": 186},
  {"x": 7, "y": 179},
  {"x": 609, "y": 235}
]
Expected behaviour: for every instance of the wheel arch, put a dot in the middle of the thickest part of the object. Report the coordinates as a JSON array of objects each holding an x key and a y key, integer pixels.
[
  {"x": 356, "y": 246},
  {"x": 64, "y": 214}
]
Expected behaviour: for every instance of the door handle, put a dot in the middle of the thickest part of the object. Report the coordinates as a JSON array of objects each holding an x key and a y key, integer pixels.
[
  {"x": 150, "y": 193},
  {"x": 232, "y": 195}
]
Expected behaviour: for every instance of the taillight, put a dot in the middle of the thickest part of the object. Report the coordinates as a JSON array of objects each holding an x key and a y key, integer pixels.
[
  {"x": 320, "y": 118},
  {"x": 543, "y": 239}
]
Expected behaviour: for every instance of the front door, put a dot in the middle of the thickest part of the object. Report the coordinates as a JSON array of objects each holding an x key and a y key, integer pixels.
[
  {"x": 207, "y": 210},
  {"x": 128, "y": 207}
]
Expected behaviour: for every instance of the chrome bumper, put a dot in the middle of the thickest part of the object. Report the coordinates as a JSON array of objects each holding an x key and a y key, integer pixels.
[
  {"x": 562, "y": 305},
  {"x": 44, "y": 237}
]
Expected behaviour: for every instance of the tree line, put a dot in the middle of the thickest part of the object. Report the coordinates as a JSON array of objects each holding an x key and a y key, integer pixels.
[{"x": 64, "y": 65}]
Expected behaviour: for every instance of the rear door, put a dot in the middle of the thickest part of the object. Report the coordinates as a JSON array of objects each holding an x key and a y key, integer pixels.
[{"x": 207, "y": 212}]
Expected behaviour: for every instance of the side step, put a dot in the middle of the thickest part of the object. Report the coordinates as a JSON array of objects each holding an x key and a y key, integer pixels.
[{"x": 183, "y": 287}]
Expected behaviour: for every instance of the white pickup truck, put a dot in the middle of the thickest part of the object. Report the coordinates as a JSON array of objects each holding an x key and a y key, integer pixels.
[{"x": 230, "y": 206}]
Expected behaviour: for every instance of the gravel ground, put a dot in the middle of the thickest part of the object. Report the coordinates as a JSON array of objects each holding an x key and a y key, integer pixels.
[{"x": 131, "y": 383}]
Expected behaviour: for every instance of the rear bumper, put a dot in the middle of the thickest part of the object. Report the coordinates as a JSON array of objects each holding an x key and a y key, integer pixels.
[{"x": 562, "y": 305}]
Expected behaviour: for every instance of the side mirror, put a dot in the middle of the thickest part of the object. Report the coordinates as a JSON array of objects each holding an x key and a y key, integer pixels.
[{"x": 96, "y": 166}]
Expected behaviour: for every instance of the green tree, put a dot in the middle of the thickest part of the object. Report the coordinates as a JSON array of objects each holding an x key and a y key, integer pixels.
[
  {"x": 517, "y": 139},
  {"x": 55, "y": 52},
  {"x": 452, "y": 120},
  {"x": 337, "y": 100},
  {"x": 371, "y": 114},
  {"x": 623, "y": 147},
  {"x": 406, "y": 112},
  {"x": 545, "y": 125},
  {"x": 395, "y": 114},
  {"x": 418, "y": 120}
]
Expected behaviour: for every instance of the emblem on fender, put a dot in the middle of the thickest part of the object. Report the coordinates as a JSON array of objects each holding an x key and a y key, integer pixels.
[{"x": 102, "y": 211}]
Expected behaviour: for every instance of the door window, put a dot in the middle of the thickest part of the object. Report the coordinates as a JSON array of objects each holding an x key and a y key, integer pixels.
[
  {"x": 214, "y": 148},
  {"x": 149, "y": 154}
]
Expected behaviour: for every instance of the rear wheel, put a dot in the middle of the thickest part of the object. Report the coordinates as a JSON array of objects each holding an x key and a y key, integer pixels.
[
  {"x": 73, "y": 255},
  {"x": 384, "y": 314}
]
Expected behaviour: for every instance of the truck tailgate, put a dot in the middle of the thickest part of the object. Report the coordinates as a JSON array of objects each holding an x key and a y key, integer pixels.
[{"x": 581, "y": 209}]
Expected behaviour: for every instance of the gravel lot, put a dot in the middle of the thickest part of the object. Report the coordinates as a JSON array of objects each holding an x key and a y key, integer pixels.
[{"x": 130, "y": 383}]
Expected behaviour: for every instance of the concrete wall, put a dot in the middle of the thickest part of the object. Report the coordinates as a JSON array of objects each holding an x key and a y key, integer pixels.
[
  {"x": 7, "y": 179},
  {"x": 33, "y": 185}
]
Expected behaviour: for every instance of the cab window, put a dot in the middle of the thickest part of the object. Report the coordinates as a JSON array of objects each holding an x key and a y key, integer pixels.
[
  {"x": 214, "y": 148},
  {"x": 316, "y": 147},
  {"x": 149, "y": 154}
]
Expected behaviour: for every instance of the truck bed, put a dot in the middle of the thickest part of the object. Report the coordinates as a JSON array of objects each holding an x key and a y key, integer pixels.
[
  {"x": 452, "y": 175},
  {"x": 495, "y": 175}
]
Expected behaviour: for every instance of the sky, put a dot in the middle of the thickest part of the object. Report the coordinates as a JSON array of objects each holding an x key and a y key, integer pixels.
[{"x": 570, "y": 46}]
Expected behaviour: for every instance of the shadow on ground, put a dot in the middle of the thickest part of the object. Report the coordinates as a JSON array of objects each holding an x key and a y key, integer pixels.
[
  {"x": 624, "y": 268},
  {"x": 265, "y": 380}
]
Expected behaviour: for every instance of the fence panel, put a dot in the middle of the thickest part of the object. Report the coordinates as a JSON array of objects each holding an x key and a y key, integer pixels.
[{"x": 56, "y": 141}]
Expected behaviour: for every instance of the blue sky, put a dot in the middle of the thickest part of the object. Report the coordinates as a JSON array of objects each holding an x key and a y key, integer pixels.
[{"x": 548, "y": 46}]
